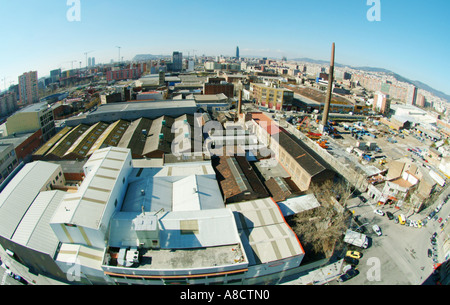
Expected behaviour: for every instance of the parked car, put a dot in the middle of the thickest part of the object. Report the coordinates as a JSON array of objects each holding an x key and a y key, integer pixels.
[
  {"x": 379, "y": 212},
  {"x": 440, "y": 220},
  {"x": 434, "y": 235},
  {"x": 353, "y": 254},
  {"x": 377, "y": 230},
  {"x": 20, "y": 279},
  {"x": 390, "y": 215},
  {"x": 430, "y": 253},
  {"x": 348, "y": 275},
  {"x": 431, "y": 215},
  {"x": 352, "y": 261}
]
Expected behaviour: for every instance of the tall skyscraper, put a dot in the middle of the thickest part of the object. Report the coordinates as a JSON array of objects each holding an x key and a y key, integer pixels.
[
  {"x": 237, "y": 52},
  {"x": 28, "y": 88},
  {"x": 177, "y": 61}
]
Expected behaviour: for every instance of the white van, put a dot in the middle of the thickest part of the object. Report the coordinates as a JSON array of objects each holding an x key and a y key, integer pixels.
[{"x": 377, "y": 230}]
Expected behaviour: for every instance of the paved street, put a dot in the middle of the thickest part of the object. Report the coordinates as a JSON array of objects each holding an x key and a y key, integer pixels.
[
  {"x": 6, "y": 280},
  {"x": 399, "y": 256}
]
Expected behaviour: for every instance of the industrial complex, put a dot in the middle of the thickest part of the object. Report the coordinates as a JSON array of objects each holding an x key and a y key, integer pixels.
[{"x": 201, "y": 171}]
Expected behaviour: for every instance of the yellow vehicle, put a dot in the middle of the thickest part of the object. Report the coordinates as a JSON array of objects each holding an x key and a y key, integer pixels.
[
  {"x": 419, "y": 223},
  {"x": 353, "y": 254},
  {"x": 401, "y": 219}
]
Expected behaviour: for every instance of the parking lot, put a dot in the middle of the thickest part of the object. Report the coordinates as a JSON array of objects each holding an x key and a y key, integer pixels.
[{"x": 400, "y": 256}]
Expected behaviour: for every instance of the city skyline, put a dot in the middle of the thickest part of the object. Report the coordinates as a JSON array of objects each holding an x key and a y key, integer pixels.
[{"x": 39, "y": 36}]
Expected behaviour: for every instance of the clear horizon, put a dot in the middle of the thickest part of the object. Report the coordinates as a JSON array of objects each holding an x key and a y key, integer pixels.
[{"x": 408, "y": 40}]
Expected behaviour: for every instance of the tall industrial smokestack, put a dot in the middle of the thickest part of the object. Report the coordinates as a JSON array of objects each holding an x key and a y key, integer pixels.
[
  {"x": 240, "y": 103},
  {"x": 326, "y": 110}
]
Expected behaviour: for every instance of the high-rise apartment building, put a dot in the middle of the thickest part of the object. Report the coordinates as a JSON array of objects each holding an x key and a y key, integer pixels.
[
  {"x": 8, "y": 103},
  {"x": 381, "y": 103},
  {"x": 237, "y": 52},
  {"x": 177, "y": 61},
  {"x": 55, "y": 75},
  {"x": 28, "y": 88}
]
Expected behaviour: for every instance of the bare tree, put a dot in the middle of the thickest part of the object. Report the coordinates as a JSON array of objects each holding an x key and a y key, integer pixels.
[{"x": 322, "y": 227}]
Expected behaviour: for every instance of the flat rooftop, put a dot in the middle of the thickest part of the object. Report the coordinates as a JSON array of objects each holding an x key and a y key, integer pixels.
[
  {"x": 212, "y": 240},
  {"x": 35, "y": 107},
  {"x": 141, "y": 105},
  {"x": 189, "y": 258}
]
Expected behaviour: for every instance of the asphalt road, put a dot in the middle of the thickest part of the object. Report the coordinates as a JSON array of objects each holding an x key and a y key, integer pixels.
[
  {"x": 6, "y": 280},
  {"x": 400, "y": 255}
]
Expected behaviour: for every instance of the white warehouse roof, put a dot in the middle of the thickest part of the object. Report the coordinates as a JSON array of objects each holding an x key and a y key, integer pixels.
[
  {"x": 19, "y": 194},
  {"x": 34, "y": 230},
  {"x": 265, "y": 235},
  {"x": 86, "y": 207}
]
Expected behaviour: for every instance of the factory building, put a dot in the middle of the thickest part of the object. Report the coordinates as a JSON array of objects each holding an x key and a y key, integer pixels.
[{"x": 140, "y": 225}]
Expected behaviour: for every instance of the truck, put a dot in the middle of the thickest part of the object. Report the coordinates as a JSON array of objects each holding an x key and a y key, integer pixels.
[{"x": 356, "y": 239}]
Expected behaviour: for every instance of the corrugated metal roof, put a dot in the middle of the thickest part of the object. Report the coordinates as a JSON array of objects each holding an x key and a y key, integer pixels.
[
  {"x": 298, "y": 204},
  {"x": 19, "y": 194},
  {"x": 86, "y": 206},
  {"x": 61, "y": 147},
  {"x": 50, "y": 143},
  {"x": 110, "y": 137},
  {"x": 83, "y": 144},
  {"x": 264, "y": 233},
  {"x": 85, "y": 256},
  {"x": 34, "y": 230}
]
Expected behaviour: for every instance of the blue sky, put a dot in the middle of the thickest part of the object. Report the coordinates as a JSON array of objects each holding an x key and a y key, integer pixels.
[{"x": 411, "y": 39}]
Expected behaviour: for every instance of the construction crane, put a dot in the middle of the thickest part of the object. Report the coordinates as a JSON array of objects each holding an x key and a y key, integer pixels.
[
  {"x": 71, "y": 62},
  {"x": 306, "y": 121}
]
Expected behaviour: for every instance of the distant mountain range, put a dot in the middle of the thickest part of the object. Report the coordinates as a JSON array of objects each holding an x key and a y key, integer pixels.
[
  {"x": 400, "y": 78},
  {"x": 145, "y": 57}
]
